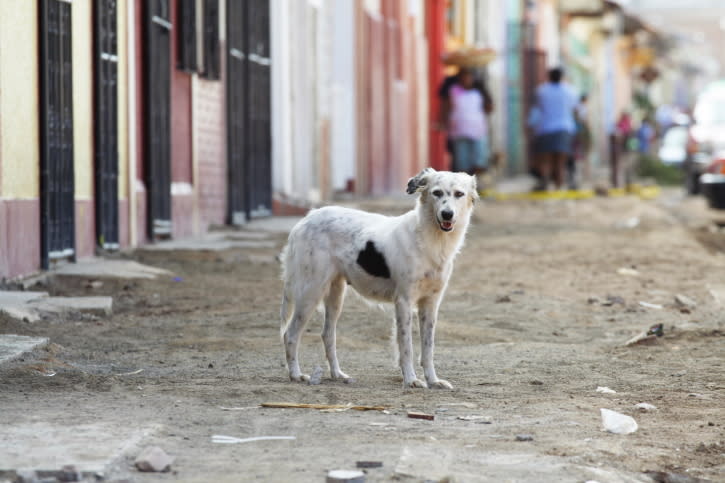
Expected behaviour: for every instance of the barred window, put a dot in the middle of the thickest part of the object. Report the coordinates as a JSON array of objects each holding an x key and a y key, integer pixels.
[
  {"x": 186, "y": 35},
  {"x": 210, "y": 40}
]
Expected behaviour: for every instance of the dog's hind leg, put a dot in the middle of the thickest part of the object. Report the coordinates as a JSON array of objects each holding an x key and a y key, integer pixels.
[
  {"x": 333, "y": 307},
  {"x": 304, "y": 307}
]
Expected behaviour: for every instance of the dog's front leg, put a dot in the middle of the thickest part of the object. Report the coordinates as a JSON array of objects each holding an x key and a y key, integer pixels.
[
  {"x": 404, "y": 326},
  {"x": 428, "y": 315}
]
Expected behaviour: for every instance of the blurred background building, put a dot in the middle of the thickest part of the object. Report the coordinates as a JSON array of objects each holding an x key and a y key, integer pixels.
[{"x": 127, "y": 121}]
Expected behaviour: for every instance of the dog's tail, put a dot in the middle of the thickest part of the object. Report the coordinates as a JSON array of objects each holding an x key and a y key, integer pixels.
[{"x": 288, "y": 303}]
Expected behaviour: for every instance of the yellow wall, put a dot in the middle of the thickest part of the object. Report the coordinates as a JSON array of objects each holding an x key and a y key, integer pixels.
[
  {"x": 19, "y": 145},
  {"x": 83, "y": 98},
  {"x": 122, "y": 39}
]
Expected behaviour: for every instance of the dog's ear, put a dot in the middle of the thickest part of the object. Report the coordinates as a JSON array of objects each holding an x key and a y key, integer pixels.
[
  {"x": 474, "y": 189},
  {"x": 419, "y": 181}
]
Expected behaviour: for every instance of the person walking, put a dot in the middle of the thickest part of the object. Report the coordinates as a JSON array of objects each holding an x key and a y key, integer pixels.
[
  {"x": 554, "y": 128},
  {"x": 464, "y": 110}
]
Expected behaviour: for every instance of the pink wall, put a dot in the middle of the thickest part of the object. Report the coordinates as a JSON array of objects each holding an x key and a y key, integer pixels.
[
  {"x": 19, "y": 245},
  {"x": 210, "y": 125}
]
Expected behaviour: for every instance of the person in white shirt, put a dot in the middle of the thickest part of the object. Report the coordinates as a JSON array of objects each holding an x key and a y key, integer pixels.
[{"x": 554, "y": 127}]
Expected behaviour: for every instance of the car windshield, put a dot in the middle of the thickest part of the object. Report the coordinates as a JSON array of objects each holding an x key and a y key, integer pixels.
[{"x": 711, "y": 111}]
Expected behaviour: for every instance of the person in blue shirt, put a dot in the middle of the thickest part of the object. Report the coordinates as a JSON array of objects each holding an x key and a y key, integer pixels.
[{"x": 554, "y": 127}]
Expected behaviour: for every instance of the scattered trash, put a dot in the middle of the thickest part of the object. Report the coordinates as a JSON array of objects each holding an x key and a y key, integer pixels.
[
  {"x": 463, "y": 404},
  {"x": 221, "y": 439},
  {"x": 153, "y": 458},
  {"x": 647, "y": 337},
  {"x": 287, "y": 405},
  {"x": 618, "y": 423},
  {"x": 613, "y": 299},
  {"x": 416, "y": 415},
  {"x": 369, "y": 464},
  {"x": 606, "y": 390},
  {"x": 316, "y": 376},
  {"x": 178, "y": 279},
  {"x": 478, "y": 419},
  {"x": 345, "y": 476},
  {"x": 630, "y": 272},
  {"x": 94, "y": 284},
  {"x": 667, "y": 477},
  {"x": 643, "y": 406},
  {"x": 684, "y": 301},
  {"x": 502, "y": 299},
  {"x": 139, "y": 371},
  {"x": 649, "y": 305},
  {"x": 630, "y": 223},
  {"x": 524, "y": 437}
]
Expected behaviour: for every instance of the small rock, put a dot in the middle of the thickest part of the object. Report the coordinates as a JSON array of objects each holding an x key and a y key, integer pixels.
[
  {"x": 668, "y": 477},
  {"x": 94, "y": 284},
  {"x": 643, "y": 406},
  {"x": 503, "y": 299},
  {"x": 536, "y": 382},
  {"x": 606, "y": 390},
  {"x": 594, "y": 300},
  {"x": 369, "y": 464},
  {"x": 316, "y": 376},
  {"x": 615, "y": 299},
  {"x": 524, "y": 437},
  {"x": 685, "y": 301},
  {"x": 650, "y": 306},
  {"x": 345, "y": 476},
  {"x": 69, "y": 473},
  {"x": 210, "y": 366},
  {"x": 618, "y": 423},
  {"x": 153, "y": 458}
]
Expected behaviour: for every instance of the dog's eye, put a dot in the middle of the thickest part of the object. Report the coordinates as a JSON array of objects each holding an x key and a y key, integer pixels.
[
  {"x": 459, "y": 194},
  {"x": 437, "y": 193}
]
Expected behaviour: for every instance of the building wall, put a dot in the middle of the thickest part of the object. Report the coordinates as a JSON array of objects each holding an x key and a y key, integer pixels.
[
  {"x": 83, "y": 144},
  {"x": 19, "y": 139}
]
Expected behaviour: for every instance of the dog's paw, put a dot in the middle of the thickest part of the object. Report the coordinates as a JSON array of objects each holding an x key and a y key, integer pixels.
[
  {"x": 440, "y": 384},
  {"x": 416, "y": 384},
  {"x": 299, "y": 378}
]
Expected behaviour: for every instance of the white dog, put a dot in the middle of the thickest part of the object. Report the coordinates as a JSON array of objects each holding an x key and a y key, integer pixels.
[{"x": 406, "y": 260}]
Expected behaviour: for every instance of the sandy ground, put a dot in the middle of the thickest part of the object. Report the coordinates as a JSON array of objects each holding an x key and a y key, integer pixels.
[{"x": 525, "y": 336}]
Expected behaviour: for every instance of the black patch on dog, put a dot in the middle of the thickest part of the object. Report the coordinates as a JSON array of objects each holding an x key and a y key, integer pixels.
[{"x": 373, "y": 262}]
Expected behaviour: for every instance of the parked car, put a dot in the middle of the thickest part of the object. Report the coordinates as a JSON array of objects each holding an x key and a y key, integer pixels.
[
  {"x": 713, "y": 183},
  {"x": 707, "y": 133}
]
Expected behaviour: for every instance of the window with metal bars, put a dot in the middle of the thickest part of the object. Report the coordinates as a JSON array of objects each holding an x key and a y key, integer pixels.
[
  {"x": 210, "y": 40},
  {"x": 186, "y": 35}
]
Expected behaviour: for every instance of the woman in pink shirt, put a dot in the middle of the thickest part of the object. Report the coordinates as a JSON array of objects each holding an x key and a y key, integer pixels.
[{"x": 466, "y": 123}]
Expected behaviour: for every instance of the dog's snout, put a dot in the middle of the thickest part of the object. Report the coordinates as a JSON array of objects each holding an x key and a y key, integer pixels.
[{"x": 447, "y": 215}]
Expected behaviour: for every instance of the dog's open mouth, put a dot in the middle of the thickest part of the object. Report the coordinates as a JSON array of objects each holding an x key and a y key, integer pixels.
[{"x": 446, "y": 225}]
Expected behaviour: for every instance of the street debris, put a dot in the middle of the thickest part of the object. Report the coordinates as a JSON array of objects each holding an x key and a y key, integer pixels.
[
  {"x": 629, "y": 272},
  {"x": 524, "y": 437},
  {"x": 668, "y": 477},
  {"x": 132, "y": 373},
  {"x": 685, "y": 301},
  {"x": 224, "y": 408},
  {"x": 478, "y": 419},
  {"x": 618, "y": 423},
  {"x": 650, "y": 306},
  {"x": 648, "y": 336},
  {"x": 606, "y": 390},
  {"x": 345, "y": 476},
  {"x": 644, "y": 407},
  {"x": 503, "y": 299},
  {"x": 153, "y": 458},
  {"x": 221, "y": 439},
  {"x": 629, "y": 223},
  {"x": 288, "y": 405},
  {"x": 369, "y": 464},
  {"x": 316, "y": 376},
  {"x": 417, "y": 415}
]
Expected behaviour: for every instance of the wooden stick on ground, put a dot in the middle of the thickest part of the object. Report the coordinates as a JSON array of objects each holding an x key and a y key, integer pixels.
[{"x": 288, "y": 405}]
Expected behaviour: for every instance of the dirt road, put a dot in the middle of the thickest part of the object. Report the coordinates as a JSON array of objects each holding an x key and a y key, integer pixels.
[{"x": 534, "y": 322}]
